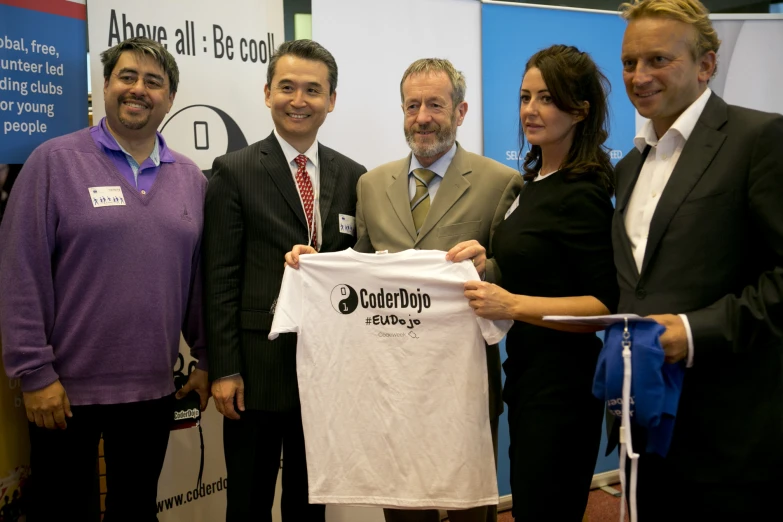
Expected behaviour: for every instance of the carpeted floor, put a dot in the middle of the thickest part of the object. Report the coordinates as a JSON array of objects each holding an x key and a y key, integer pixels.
[{"x": 601, "y": 507}]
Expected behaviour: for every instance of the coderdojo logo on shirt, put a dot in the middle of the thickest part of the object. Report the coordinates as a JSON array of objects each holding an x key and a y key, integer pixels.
[{"x": 344, "y": 299}]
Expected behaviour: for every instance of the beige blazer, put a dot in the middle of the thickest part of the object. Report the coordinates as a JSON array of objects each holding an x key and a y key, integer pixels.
[{"x": 471, "y": 201}]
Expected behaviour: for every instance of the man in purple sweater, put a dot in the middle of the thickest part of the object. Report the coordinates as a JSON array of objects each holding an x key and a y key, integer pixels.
[{"x": 99, "y": 273}]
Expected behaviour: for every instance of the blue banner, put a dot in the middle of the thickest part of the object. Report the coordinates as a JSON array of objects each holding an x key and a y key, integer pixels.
[
  {"x": 510, "y": 36},
  {"x": 43, "y": 74}
]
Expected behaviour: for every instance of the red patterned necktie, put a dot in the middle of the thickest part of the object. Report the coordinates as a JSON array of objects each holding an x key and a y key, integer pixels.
[{"x": 306, "y": 193}]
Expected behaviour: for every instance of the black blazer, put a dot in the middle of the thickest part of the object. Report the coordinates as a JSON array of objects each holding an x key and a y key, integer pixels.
[
  {"x": 715, "y": 253},
  {"x": 253, "y": 216}
]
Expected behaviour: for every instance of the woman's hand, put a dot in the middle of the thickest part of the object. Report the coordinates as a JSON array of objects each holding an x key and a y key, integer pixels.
[{"x": 490, "y": 301}]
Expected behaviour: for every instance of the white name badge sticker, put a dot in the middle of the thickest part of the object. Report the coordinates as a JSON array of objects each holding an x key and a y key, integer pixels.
[
  {"x": 347, "y": 224},
  {"x": 106, "y": 196}
]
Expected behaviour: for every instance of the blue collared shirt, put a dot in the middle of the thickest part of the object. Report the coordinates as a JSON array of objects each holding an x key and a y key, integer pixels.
[
  {"x": 140, "y": 176},
  {"x": 439, "y": 168}
]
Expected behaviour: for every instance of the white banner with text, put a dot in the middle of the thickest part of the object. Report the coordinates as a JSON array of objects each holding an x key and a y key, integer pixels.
[{"x": 222, "y": 50}]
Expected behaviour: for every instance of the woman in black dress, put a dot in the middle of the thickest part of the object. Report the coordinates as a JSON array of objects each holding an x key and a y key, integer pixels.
[{"x": 554, "y": 251}]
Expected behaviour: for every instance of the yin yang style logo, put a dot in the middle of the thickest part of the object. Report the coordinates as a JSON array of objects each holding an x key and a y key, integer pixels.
[{"x": 344, "y": 299}]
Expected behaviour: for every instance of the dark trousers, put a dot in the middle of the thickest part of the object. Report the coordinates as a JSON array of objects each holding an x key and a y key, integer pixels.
[
  {"x": 252, "y": 448},
  {"x": 662, "y": 494},
  {"x": 477, "y": 514},
  {"x": 555, "y": 433},
  {"x": 64, "y": 462}
]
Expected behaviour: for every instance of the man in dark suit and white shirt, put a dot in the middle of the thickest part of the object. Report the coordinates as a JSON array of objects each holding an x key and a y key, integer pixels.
[
  {"x": 698, "y": 239},
  {"x": 261, "y": 201}
]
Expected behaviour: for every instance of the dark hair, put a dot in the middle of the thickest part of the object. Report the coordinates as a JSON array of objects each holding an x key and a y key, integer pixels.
[
  {"x": 306, "y": 50},
  {"x": 139, "y": 45},
  {"x": 572, "y": 78}
]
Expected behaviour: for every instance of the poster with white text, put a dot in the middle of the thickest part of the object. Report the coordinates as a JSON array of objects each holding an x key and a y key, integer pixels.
[{"x": 43, "y": 73}]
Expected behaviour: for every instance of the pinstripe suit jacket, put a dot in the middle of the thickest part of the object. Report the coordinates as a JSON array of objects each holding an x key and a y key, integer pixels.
[{"x": 253, "y": 216}]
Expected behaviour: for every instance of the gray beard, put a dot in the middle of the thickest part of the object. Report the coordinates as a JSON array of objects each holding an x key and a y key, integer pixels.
[{"x": 443, "y": 143}]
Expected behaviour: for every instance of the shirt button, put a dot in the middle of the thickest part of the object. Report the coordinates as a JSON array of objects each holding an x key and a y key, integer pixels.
[
  {"x": 143, "y": 192},
  {"x": 654, "y": 194}
]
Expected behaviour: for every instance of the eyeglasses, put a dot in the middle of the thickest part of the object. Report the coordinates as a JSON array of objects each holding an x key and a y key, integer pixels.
[{"x": 150, "y": 82}]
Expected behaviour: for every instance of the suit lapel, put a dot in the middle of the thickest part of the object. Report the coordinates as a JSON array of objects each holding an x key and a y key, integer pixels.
[
  {"x": 625, "y": 186},
  {"x": 699, "y": 151},
  {"x": 328, "y": 181},
  {"x": 274, "y": 163},
  {"x": 626, "y": 183},
  {"x": 452, "y": 186},
  {"x": 400, "y": 201}
]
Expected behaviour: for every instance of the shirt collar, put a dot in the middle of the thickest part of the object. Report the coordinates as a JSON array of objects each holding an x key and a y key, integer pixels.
[
  {"x": 440, "y": 166},
  {"x": 160, "y": 153},
  {"x": 683, "y": 126},
  {"x": 291, "y": 153}
]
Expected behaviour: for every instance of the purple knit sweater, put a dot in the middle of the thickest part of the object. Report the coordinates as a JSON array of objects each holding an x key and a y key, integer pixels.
[{"x": 97, "y": 296}]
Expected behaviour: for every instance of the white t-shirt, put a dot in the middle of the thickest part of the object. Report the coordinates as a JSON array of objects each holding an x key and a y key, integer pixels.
[{"x": 392, "y": 377}]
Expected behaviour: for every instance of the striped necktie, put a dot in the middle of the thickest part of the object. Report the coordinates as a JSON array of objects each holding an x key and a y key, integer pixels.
[{"x": 420, "y": 204}]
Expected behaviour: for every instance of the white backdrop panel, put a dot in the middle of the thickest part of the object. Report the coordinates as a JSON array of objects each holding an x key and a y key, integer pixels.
[
  {"x": 373, "y": 44},
  {"x": 749, "y": 63}
]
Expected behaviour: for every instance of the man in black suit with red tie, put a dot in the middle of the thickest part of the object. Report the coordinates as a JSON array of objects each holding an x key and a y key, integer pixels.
[
  {"x": 261, "y": 201},
  {"x": 698, "y": 240}
]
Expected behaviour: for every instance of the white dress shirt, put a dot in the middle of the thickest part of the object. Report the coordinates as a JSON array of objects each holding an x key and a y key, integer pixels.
[
  {"x": 439, "y": 168},
  {"x": 314, "y": 170},
  {"x": 656, "y": 171}
]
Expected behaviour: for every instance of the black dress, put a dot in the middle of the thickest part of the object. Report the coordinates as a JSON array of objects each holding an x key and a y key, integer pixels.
[{"x": 556, "y": 243}]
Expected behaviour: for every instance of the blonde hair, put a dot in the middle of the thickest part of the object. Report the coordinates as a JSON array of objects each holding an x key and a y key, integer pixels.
[
  {"x": 436, "y": 65},
  {"x": 691, "y": 12}
]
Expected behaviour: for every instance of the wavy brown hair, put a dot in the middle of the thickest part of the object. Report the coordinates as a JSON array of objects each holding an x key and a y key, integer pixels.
[
  {"x": 691, "y": 12},
  {"x": 573, "y": 78}
]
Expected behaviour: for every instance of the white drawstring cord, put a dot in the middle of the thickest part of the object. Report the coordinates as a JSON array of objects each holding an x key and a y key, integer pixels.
[{"x": 626, "y": 444}]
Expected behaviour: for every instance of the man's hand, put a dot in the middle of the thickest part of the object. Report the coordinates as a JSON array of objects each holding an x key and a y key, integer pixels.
[
  {"x": 469, "y": 250},
  {"x": 199, "y": 381},
  {"x": 48, "y": 407},
  {"x": 674, "y": 340},
  {"x": 292, "y": 257},
  {"x": 489, "y": 301},
  {"x": 224, "y": 390}
]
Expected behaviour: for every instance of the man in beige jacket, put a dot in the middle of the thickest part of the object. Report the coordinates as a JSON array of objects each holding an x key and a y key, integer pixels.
[{"x": 440, "y": 197}]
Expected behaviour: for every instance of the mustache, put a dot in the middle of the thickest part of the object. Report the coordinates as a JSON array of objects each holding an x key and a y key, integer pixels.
[
  {"x": 427, "y": 127},
  {"x": 134, "y": 98}
]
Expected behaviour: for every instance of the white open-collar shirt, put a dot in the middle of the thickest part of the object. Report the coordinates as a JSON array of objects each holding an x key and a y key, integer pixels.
[{"x": 656, "y": 171}]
